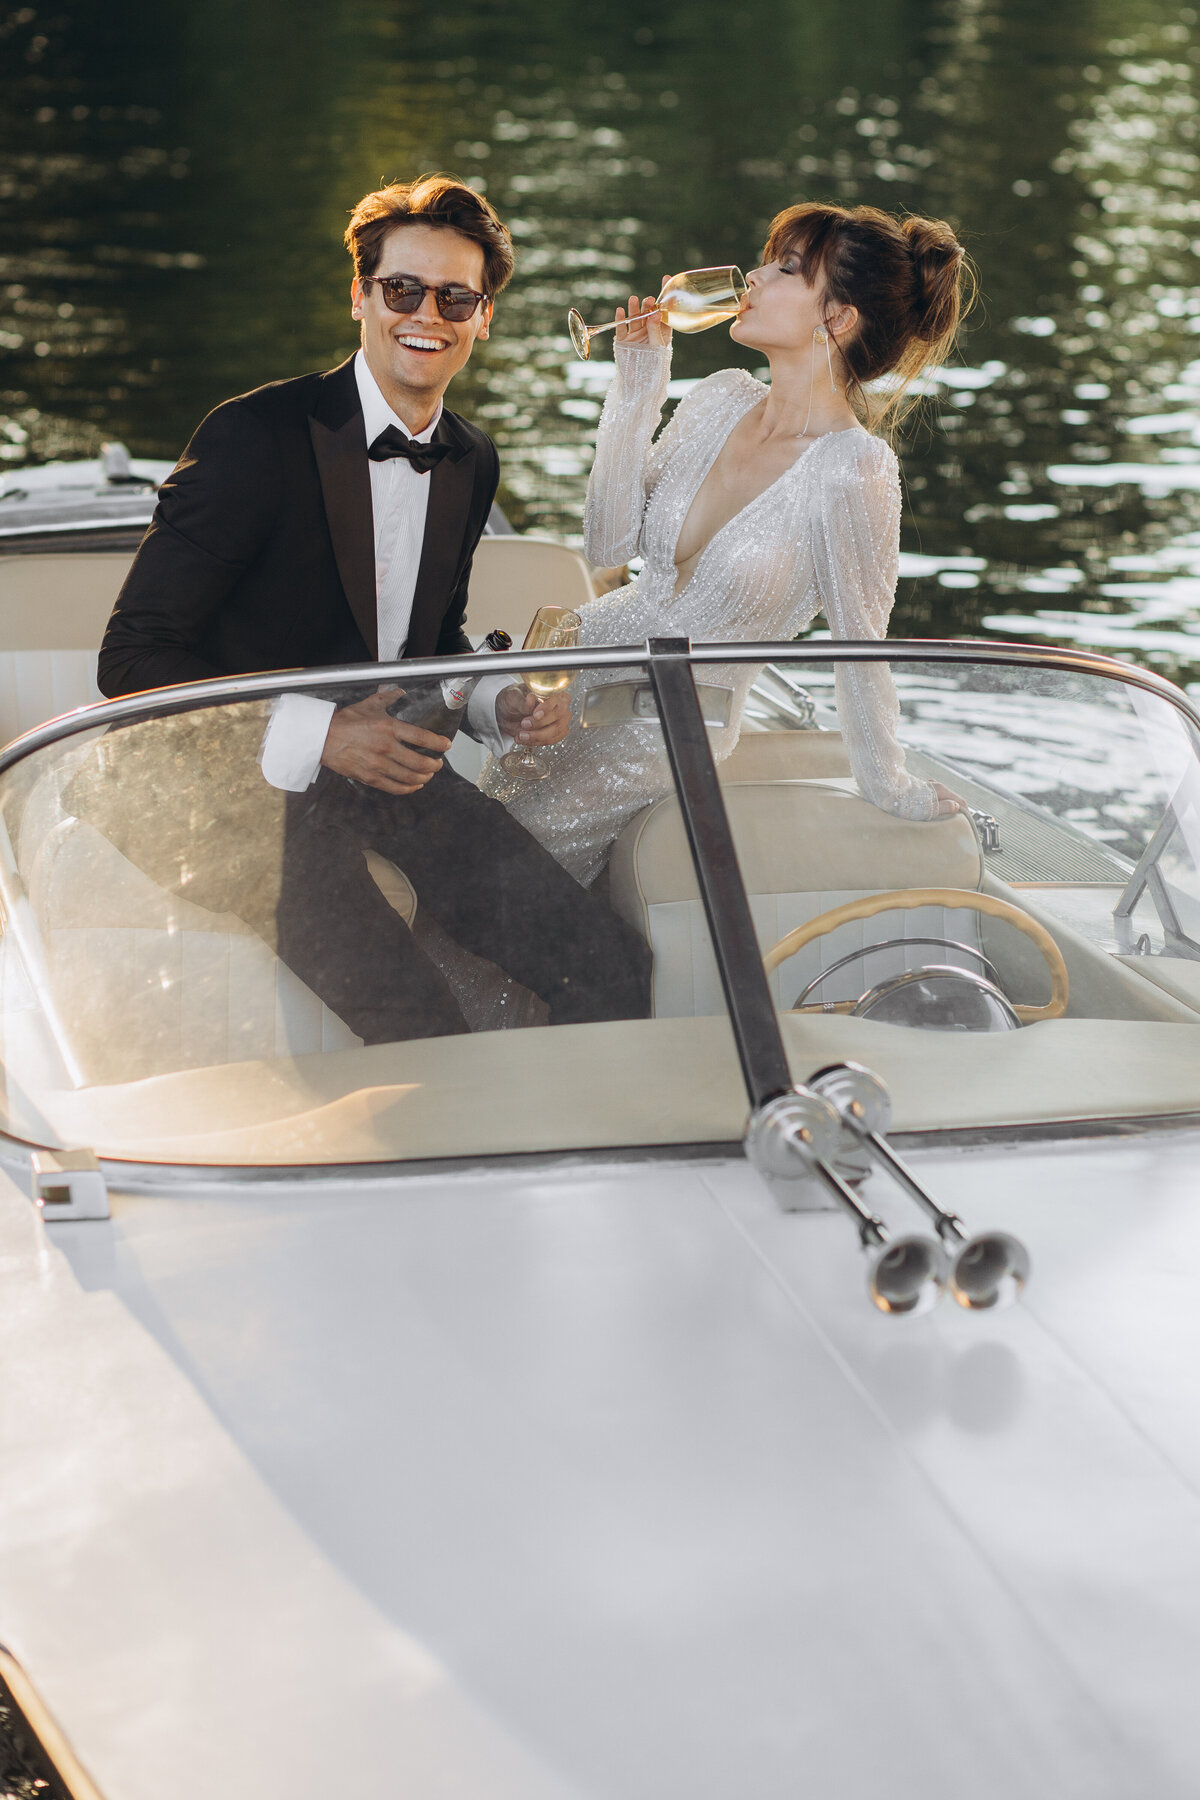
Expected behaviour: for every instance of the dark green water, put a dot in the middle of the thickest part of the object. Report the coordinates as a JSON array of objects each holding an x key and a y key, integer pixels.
[{"x": 174, "y": 181}]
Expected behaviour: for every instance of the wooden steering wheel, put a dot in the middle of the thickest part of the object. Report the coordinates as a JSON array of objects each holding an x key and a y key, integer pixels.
[{"x": 906, "y": 900}]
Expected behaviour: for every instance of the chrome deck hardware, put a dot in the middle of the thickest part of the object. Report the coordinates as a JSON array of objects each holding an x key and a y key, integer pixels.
[
  {"x": 802, "y": 702},
  {"x": 987, "y": 1270},
  {"x": 1149, "y": 878},
  {"x": 68, "y": 1184},
  {"x": 777, "y": 698},
  {"x": 793, "y": 1140},
  {"x": 986, "y": 829}
]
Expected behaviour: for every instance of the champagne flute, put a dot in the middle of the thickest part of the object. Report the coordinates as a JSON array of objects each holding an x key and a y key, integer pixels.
[
  {"x": 553, "y": 628},
  {"x": 691, "y": 301}
]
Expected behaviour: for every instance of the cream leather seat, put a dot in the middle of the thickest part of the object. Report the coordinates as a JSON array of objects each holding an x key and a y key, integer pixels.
[
  {"x": 804, "y": 847},
  {"x": 512, "y": 576},
  {"x": 787, "y": 756},
  {"x": 53, "y": 610},
  {"x": 145, "y": 981}
]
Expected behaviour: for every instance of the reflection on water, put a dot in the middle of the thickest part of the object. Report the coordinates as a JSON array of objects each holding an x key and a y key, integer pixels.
[{"x": 174, "y": 183}]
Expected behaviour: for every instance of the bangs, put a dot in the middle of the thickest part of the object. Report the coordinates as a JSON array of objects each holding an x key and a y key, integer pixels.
[{"x": 806, "y": 231}]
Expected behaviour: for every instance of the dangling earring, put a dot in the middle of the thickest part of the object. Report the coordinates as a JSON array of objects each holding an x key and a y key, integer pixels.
[{"x": 822, "y": 337}]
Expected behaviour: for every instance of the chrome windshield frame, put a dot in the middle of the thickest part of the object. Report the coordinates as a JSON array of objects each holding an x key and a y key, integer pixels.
[
  {"x": 228, "y": 689},
  {"x": 766, "y": 1071},
  {"x": 672, "y": 666}
]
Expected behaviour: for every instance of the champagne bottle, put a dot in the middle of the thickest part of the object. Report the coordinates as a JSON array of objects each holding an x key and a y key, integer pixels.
[{"x": 439, "y": 706}]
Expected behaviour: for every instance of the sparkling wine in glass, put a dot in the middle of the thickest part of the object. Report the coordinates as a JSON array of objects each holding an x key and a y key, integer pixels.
[
  {"x": 692, "y": 301},
  {"x": 553, "y": 628}
]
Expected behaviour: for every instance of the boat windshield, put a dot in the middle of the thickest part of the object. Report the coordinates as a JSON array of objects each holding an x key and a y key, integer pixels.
[
  {"x": 200, "y": 967},
  {"x": 1039, "y": 949}
]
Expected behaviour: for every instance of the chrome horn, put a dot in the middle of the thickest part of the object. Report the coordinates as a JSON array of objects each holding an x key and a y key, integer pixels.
[
  {"x": 987, "y": 1270},
  {"x": 797, "y": 1136}
]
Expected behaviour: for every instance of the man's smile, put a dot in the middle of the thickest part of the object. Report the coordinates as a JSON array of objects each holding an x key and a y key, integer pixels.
[{"x": 411, "y": 340}]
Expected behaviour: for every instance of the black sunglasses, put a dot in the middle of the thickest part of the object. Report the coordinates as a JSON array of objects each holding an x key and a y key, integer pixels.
[{"x": 404, "y": 294}]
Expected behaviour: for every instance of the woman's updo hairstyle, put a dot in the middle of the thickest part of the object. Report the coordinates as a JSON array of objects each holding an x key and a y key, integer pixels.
[{"x": 908, "y": 279}]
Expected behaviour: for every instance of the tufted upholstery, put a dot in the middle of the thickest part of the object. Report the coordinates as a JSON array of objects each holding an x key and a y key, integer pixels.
[
  {"x": 145, "y": 981},
  {"x": 803, "y": 847},
  {"x": 53, "y": 610},
  {"x": 36, "y": 685},
  {"x": 148, "y": 983}
]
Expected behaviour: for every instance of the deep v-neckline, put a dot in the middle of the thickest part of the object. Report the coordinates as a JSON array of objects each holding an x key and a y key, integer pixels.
[{"x": 678, "y": 592}]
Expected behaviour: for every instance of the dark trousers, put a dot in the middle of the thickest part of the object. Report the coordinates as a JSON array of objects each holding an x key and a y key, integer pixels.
[{"x": 487, "y": 882}]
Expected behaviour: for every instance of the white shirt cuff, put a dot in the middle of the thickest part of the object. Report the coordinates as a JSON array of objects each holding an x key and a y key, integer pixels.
[
  {"x": 481, "y": 712},
  {"x": 294, "y": 739}
]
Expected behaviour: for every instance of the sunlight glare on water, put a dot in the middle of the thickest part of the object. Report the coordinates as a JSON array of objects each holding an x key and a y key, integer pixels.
[{"x": 174, "y": 183}]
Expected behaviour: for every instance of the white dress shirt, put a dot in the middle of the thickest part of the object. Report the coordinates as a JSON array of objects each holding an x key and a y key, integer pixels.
[{"x": 295, "y": 736}]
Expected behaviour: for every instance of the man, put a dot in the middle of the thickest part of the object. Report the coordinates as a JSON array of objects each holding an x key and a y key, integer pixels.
[{"x": 332, "y": 519}]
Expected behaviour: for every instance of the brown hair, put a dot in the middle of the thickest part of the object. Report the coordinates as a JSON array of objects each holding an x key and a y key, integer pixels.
[
  {"x": 430, "y": 200},
  {"x": 905, "y": 277}
]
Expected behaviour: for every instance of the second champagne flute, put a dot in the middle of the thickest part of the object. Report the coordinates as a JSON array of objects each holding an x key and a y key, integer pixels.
[{"x": 553, "y": 628}]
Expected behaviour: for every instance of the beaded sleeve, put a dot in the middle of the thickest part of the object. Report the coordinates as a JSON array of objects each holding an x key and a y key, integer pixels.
[
  {"x": 856, "y": 561},
  {"x": 625, "y": 468}
]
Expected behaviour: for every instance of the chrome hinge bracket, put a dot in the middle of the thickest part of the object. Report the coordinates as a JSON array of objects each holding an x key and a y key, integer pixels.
[{"x": 68, "y": 1185}]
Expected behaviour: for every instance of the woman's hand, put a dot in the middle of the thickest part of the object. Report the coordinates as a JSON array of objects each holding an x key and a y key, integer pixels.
[
  {"x": 947, "y": 802},
  {"x": 642, "y": 324}
]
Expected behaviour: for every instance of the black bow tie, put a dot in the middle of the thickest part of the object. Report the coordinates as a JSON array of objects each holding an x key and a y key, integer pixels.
[{"x": 392, "y": 442}]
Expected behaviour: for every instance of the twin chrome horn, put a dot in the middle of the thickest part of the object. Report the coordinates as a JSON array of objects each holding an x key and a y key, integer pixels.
[
  {"x": 799, "y": 1135},
  {"x": 840, "y": 1118}
]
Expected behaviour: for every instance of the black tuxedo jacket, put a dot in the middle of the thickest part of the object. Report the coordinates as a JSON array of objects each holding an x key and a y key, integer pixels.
[{"x": 261, "y": 553}]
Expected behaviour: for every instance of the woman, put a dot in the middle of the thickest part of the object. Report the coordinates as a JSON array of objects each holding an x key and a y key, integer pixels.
[{"x": 757, "y": 507}]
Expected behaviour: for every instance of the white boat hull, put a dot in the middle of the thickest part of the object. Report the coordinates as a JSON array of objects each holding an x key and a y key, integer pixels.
[{"x": 607, "y": 1481}]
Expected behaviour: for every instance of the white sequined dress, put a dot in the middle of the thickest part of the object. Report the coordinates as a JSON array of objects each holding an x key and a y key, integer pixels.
[{"x": 824, "y": 537}]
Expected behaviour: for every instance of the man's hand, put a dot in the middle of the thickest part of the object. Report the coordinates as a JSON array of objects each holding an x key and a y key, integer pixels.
[
  {"x": 386, "y": 753},
  {"x": 532, "y": 718}
]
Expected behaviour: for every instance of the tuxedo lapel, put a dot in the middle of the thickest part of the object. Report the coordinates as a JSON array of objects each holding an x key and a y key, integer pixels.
[
  {"x": 339, "y": 443},
  {"x": 451, "y": 488}
]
